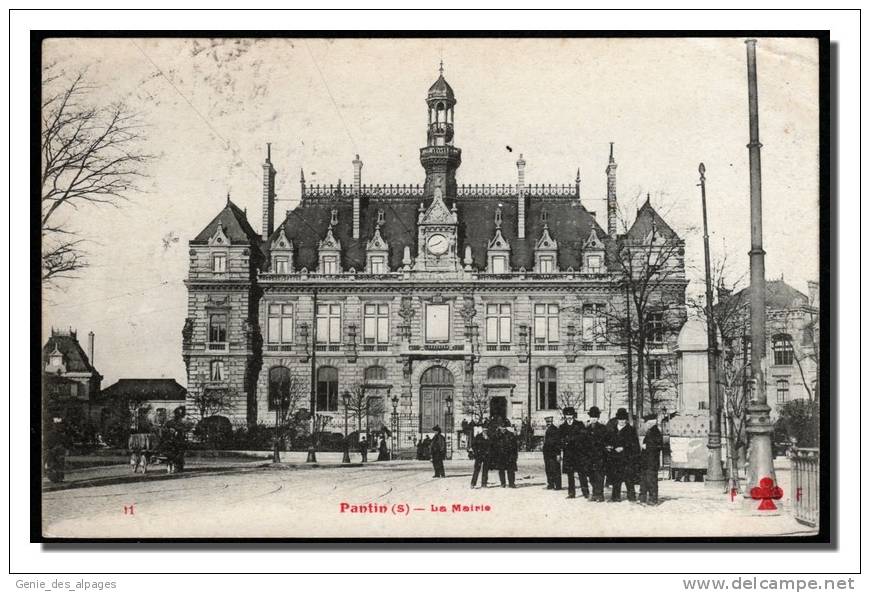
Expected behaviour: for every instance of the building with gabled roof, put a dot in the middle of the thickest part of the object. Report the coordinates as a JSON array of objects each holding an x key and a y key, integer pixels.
[
  {"x": 71, "y": 383},
  {"x": 428, "y": 296}
]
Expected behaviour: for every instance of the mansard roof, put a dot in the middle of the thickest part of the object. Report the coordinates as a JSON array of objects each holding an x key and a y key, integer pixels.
[
  {"x": 74, "y": 357},
  {"x": 569, "y": 224},
  {"x": 235, "y": 226},
  {"x": 779, "y": 295}
]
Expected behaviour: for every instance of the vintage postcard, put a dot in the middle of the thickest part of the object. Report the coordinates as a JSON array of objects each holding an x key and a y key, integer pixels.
[{"x": 359, "y": 287}]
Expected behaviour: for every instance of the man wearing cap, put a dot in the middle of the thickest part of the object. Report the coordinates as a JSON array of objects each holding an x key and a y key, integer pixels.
[
  {"x": 595, "y": 442},
  {"x": 438, "y": 451},
  {"x": 482, "y": 449},
  {"x": 552, "y": 448},
  {"x": 650, "y": 458},
  {"x": 625, "y": 449},
  {"x": 572, "y": 437}
]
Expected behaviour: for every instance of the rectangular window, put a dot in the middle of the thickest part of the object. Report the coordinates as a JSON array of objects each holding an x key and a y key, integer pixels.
[
  {"x": 498, "y": 324},
  {"x": 329, "y": 324},
  {"x": 217, "y": 327},
  {"x": 378, "y": 266},
  {"x": 330, "y": 264},
  {"x": 654, "y": 369},
  {"x": 593, "y": 262},
  {"x": 281, "y": 264},
  {"x": 594, "y": 325},
  {"x": 437, "y": 323},
  {"x": 656, "y": 330},
  {"x": 499, "y": 264},
  {"x": 376, "y": 323},
  {"x": 546, "y": 323},
  {"x": 546, "y": 265},
  {"x": 782, "y": 391},
  {"x": 280, "y": 324},
  {"x": 220, "y": 262},
  {"x": 782, "y": 350},
  {"x": 217, "y": 370}
]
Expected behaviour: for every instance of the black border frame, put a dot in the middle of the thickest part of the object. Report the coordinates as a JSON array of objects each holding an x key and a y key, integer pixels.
[{"x": 824, "y": 539}]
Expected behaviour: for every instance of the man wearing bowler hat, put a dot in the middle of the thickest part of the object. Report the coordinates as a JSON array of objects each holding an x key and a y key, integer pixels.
[
  {"x": 438, "y": 451},
  {"x": 625, "y": 448},
  {"x": 650, "y": 459},
  {"x": 572, "y": 451},
  {"x": 552, "y": 449},
  {"x": 595, "y": 442}
]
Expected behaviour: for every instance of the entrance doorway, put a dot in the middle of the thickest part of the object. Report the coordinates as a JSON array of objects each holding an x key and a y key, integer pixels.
[
  {"x": 436, "y": 385},
  {"x": 498, "y": 407}
]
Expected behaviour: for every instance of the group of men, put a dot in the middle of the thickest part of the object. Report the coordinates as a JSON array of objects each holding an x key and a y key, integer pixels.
[
  {"x": 496, "y": 449},
  {"x": 596, "y": 453}
]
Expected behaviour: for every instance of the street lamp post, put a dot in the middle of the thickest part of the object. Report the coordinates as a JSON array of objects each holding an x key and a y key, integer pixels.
[
  {"x": 714, "y": 478},
  {"x": 448, "y": 423},
  {"x": 758, "y": 425},
  {"x": 395, "y": 423},
  {"x": 345, "y": 398}
]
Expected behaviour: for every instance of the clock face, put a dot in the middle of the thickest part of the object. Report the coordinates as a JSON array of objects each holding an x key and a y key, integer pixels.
[{"x": 437, "y": 244}]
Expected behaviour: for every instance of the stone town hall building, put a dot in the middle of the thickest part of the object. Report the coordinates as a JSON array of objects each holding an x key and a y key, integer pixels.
[{"x": 432, "y": 297}]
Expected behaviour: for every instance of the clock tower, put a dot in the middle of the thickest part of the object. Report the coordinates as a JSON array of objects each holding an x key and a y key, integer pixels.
[
  {"x": 436, "y": 237},
  {"x": 439, "y": 157}
]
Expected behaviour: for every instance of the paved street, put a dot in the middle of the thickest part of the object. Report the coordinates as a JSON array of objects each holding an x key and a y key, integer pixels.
[{"x": 398, "y": 498}]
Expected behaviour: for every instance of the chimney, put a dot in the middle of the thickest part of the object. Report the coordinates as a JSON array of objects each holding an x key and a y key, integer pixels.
[
  {"x": 268, "y": 194},
  {"x": 357, "y": 187},
  {"x": 611, "y": 194},
  {"x": 521, "y": 198},
  {"x": 91, "y": 347}
]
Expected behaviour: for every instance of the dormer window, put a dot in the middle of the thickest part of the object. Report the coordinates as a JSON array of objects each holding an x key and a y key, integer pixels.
[
  {"x": 281, "y": 264},
  {"x": 593, "y": 263},
  {"x": 546, "y": 249},
  {"x": 498, "y": 252},
  {"x": 545, "y": 264},
  {"x": 219, "y": 263},
  {"x": 377, "y": 249},
  {"x": 282, "y": 253},
  {"x": 329, "y": 264}
]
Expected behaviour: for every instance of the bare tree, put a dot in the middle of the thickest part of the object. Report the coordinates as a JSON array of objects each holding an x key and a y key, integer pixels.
[
  {"x": 476, "y": 405},
  {"x": 568, "y": 399},
  {"x": 360, "y": 405},
  {"x": 287, "y": 394},
  {"x": 90, "y": 156},
  {"x": 647, "y": 306},
  {"x": 210, "y": 400}
]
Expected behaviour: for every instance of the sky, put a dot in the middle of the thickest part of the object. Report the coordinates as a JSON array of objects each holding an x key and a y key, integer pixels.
[{"x": 210, "y": 106}]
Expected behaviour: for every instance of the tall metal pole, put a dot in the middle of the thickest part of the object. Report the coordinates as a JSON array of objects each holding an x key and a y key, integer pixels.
[
  {"x": 715, "y": 478},
  {"x": 758, "y": 426}
]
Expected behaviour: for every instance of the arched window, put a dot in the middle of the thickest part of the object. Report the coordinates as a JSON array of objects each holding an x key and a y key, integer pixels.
[
  {"x": 547, "y": 388},
  {"x": 437, "y": 376},
  {"x": 782, "y": 350},
  {"x": 327, "y": 389},
  {"x": 498, "y": 373},
  {"x": 280, "y": 386},
  {"x": 593, "y": 386},
  {"x": 375, "y": 374}
]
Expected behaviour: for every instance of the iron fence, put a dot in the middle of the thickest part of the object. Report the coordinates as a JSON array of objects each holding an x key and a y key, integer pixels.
[{"x": 805, "y": 485}]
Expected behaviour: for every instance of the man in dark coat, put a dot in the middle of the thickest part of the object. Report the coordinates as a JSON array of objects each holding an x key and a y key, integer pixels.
[
  {"x": 481, "y": 446},
  {"x": 426, "y": 446},
  {"x": 572, "y": 436},
  {"x": 552, "y": 451},
  {"x": 650, "y": 458},
  {"x": 438, "y": 451},
  {"x": 625, "y": 450},
  {"x": 363, "y": 446},
  {"x": 594, "y": 448},
  {"x": 506, "y": 449}
]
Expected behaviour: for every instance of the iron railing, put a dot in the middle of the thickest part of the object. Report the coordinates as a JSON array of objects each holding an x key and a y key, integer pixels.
[{"x": 805, "y": 485}]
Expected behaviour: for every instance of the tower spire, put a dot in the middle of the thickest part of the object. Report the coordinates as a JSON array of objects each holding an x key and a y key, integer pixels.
[{"x": 611, "y": 194}]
